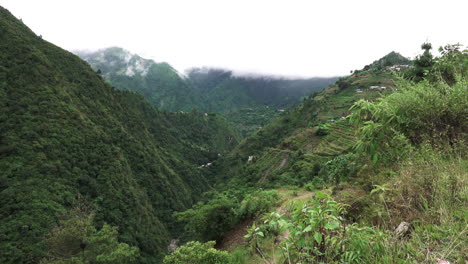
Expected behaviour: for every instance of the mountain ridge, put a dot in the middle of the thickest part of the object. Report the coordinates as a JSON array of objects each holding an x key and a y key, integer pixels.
[{"x": 68, "y": 136}]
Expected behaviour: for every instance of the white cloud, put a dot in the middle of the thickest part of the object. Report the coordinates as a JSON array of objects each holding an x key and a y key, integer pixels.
[{"x": 291, "y": 37}]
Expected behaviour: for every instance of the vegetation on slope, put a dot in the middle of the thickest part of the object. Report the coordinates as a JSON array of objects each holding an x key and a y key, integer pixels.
[
  {"x": 406, "y": 167},
  {"x": 248, "y": 102},
  {"x": 159, "y": 83},
  {"x": 67, "y": 136}
]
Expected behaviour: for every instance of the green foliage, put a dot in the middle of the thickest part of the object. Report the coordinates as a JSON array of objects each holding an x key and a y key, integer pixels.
[
  {"x": 338, "y": 169},
  {"x": 258, "y": 202},
  {"x": 196, "y": 253},
  {"x": 210, "y": 220},
  {"x": 322, "y": 130},
  {"x": 423, "y": 63},
  {"x": 317, "y": 183},
  {"x": 451, "y": 65},
  {"x": 159, "y": 83},
  {"x": 66, "y": 133},
  {"x": 318, "y": 233},
  {"x": 76, "y": 240},
  {"x": 248, "y": 102},
  {"x": 432, "y": 112}
]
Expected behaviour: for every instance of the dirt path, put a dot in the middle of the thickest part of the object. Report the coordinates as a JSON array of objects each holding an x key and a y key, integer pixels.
[
  {"x": 284, "y": 209},
  {"x": 284, "y": 206},
  {"x": 235, "y": 236},
  {"x": 283, "y": 163}
]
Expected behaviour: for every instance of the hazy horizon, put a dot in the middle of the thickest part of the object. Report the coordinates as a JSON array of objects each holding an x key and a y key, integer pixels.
[{"x": 299, "y": 38}]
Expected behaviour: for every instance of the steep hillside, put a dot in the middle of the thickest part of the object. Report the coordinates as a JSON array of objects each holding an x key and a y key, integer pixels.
[
  {"x": 68, "y": 138},
  {"x": 294, "y": 148},
  {"x": 248, "y": 102},
  {"x": 159, "y": 83},
  {"x": 226, "y": 92}
]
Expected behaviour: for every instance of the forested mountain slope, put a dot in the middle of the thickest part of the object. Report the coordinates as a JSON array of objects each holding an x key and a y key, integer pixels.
[
  {"x": 68, "y": 138},
  {"x": 247, "y": 102},
  {"x": 224, "y": 91},
  {"x": 159, "y": 83}
]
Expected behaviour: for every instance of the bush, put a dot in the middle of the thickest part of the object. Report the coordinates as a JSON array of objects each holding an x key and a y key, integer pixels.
[
  {"x": 322, "y": 130},
  {"x": 338, "y": 169},
  {"x": 209, "y": 221},
  {"x": 197, "y": 253},
  {"x": 319, "y": 234},
  {"x": 316, "y": 184},
  {"x": 258, "y": 203}
]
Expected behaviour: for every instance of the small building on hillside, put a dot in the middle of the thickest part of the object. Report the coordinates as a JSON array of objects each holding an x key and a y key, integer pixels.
[{"x": 379, "y": 88}]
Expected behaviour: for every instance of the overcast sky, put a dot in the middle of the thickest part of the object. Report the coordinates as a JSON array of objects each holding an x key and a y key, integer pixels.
[{"x": 291, "y": 37}]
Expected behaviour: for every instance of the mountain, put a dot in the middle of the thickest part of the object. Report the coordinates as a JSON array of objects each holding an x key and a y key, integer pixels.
[
  {"x": 68, "y": 138},
  {"x": 393, "y": 58},
  {"x": 159, "y": 83},
  {"x": 227, "y": 92},
  {"x": 248, "y": 102}
]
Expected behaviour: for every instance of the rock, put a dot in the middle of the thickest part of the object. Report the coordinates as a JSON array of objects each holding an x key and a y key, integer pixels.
[
  {"x": 173, "y": 245},
  {"x": 403, "y": 230},
  {"x": 441, "y": 261}
]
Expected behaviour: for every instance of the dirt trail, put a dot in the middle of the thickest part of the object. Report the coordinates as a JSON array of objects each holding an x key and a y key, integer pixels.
[
  {"x": 283, "y": 163},
  {"x": 235, "y": 237},
  {"x": 284, "y": 209},
  {"x": 284, "y": 206}
]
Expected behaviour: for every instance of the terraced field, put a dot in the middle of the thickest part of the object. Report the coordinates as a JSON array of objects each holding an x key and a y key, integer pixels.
[{"x": 340, "y": 139}]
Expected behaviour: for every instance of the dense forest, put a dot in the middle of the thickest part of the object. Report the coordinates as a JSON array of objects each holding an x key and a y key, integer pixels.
[
  {"x": 247, "y": 102},
  {"x": 69, "y": 140},
  {"x": 131, "y": 162}
]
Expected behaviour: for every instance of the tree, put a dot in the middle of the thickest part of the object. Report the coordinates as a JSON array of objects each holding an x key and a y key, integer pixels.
[
  {"x": 423, "y": 63},
  {"x": 76, "y": 240}
]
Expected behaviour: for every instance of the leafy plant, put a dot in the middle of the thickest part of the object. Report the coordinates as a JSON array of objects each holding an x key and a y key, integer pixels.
[
  {"x": 76, "y": 240},
  {"x": 258, "y": 202},
  {"x": 196, "y": 253}
]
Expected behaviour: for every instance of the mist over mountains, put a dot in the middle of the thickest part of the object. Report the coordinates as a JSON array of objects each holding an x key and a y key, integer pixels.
[
  {"x": 204, "y": 89},
  {"x": 113, "y": 158}
]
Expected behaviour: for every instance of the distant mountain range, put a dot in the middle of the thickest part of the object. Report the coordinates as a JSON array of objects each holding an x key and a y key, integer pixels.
[{"x": 203, "y": 89}]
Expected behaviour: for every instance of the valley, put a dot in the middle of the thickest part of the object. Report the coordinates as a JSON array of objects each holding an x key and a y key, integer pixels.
[
  {"x": 248, "y": 102},
  {"x": 108, "y": 157}
]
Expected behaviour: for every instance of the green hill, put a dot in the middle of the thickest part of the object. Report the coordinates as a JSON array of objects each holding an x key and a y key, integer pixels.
[
  {"x": 393, "y": 58},
  {"x": 67, "y": 137},
  {"x": 204, "y": 89},
  {"x": 371, "y": 170},
  {"x": 159, "y": 83}
]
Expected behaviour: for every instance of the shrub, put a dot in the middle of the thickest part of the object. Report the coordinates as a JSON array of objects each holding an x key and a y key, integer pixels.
[
  {"x": 316, "y": 184},
  {"x": 209, "y": 221},
  {"x": 319, "y": 234},
  {"x": 196, "y": 253},
  {"x": 322, "y": 130},
  {"x": 258, "y": 203},
  {"x": 422, "y": 112}
]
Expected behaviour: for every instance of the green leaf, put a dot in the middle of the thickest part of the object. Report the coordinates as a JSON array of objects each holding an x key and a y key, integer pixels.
[
  {"x": 320, "y": 195},
  {"x": 332, "y": 225},
  {"x": 318, "y": 237},
  {"x": 307, "y": 229},
  {"x": 375, "y": 158}
]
